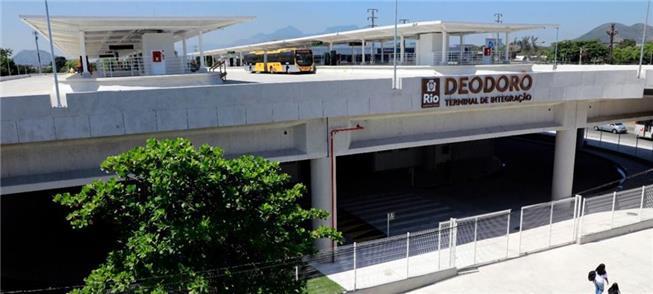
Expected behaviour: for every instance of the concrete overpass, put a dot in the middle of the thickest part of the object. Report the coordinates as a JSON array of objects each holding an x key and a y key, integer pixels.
[{"x": 294, "y": 118}]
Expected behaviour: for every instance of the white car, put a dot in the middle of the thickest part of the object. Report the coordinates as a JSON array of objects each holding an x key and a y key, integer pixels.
[{"x": 615, "y": 128}]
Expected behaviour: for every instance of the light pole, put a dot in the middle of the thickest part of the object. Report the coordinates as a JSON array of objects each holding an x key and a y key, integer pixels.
[
  {"x": 580, "y": 56},
  {"x": 38, "y": 52},
  {"x": 54, "y": 65},
  {"x": 641, "y": 50}
]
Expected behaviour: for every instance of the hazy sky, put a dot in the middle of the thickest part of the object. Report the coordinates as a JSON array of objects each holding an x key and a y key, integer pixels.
[{"x": 575, "y": 18}]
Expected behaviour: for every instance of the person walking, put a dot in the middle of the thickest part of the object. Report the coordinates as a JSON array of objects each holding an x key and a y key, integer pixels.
[{"x": 601, "y": 279}]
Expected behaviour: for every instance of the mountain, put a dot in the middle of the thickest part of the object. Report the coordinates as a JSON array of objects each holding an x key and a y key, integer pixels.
[
  {"x": 280, "y": 34},
  {"x": 288, "y": 32},
  {"x": 29, "y": 57},
  {"x": 336, "y": 29},
  {"x": 633, "y": 32}
]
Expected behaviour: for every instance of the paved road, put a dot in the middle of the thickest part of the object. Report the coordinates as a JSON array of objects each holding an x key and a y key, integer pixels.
[
  {"x": 628, "y": 259},
  {"x": 628, "y": 139}
]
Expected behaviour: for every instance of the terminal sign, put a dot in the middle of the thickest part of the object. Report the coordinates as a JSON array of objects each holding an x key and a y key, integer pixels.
[{"x": 473, "y": 90}]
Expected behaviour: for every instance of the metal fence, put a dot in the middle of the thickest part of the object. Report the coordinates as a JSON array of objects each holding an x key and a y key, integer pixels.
[
  {"x": 480, "y": 239},
  {"x": 546, "y": 225},
  {"x": 621, "y": 208}
]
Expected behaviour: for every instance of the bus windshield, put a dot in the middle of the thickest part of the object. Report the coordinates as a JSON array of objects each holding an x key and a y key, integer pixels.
[{"x": 304, "y": 57}]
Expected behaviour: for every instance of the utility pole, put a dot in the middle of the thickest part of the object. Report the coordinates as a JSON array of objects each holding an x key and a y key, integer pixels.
[
  {"x": 580, "y": 56},
  {"x": 499, "y": 20},
  {"x": 371, "y": 16},
  {"x": 611, "y": 32},
  {"x": 38, "y": 53}
]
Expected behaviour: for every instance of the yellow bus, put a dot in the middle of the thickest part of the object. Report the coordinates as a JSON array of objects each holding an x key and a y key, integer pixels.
[{"x": 287, "y": 60}]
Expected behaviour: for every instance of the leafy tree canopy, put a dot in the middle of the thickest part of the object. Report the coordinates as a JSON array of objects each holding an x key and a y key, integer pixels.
[{"x": 183, "y": 212}]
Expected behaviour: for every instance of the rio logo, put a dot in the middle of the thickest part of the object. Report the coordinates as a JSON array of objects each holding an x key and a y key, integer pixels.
[{"x": 431, "y": 92}]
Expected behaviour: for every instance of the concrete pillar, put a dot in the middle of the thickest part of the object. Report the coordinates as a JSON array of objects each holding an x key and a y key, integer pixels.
[
  {"x": 353, "y": 55},
  {"x": 445, "y": 48},
  {"x": 82, "y": 52},
  {"x": 563, "y": 164},
  {"x": 507, "y": 50},
  {"x": 321, "y": 196},
  {"x": 330, "y": 47},
  {"x": 240, "y": 57},
  {"x": 184, "y": 55},
  {"x": 401, "y": 50},
  {"x": 462, "y": 51},
  {"x": 363, "y": 52},
  {"x": 199, "y": 41}
]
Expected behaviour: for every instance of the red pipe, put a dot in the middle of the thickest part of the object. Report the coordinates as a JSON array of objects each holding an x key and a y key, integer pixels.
[{"x": 332, "y": 162}]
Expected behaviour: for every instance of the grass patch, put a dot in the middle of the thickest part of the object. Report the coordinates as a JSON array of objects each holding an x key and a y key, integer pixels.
[{"x": 322, "y": 285}]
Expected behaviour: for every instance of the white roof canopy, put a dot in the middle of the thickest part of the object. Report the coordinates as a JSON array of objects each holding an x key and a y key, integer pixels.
[
  {"x": 101, "y": 31},
  {"x": 407, "y": 30}
]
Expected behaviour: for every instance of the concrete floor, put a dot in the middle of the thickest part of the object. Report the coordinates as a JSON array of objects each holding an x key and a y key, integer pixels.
[{"x": 628, "y": 260}]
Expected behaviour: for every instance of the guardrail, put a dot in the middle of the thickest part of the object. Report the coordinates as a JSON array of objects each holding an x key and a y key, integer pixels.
[{"x": 624, "y": 143}]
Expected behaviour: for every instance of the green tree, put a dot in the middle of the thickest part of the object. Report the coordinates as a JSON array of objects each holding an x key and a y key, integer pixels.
[
  {"x": 626, "y": 55},
  {"x": 72, "y": 63},
  {"x": 6, "y": 63},
  {"x": 182, "y": 212},
  {"x": 569, "y": 51},
  {"x": 627, "y": 43}
]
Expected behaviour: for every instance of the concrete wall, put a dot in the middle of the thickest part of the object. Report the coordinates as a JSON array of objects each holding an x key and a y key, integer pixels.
[
  {"x": 429, "y": 49},
  {"x": 290, "y": 121},
  {"x": 123, "y": 112},
  {"x": 160, "y": 41}
]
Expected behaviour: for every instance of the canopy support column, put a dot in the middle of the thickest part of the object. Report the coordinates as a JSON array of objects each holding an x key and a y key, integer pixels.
[
  {"x": 382, "y": 59},
  {"x": 507, "y": 50},
  {"x": 82, "y": 53},
  {"x": 184, "y": 55},
  {"x": 402, "y": 49},
  {"x": 199, "y": 41},
  {"x": 445, "y": 46},
  {"x": 363, "y": 52},
  {"x": 462, "y": 49}
]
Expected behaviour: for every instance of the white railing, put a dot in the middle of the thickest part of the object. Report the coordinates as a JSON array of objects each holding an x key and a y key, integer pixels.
[
  {"x": 466, "y": 58},
  {"x": 135, "y": 66},
  {"x": 560, "y": 217},
  {"x": 112, "y": 67},
  {"x": 481, "y": 239}
]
